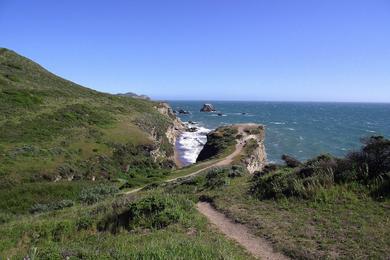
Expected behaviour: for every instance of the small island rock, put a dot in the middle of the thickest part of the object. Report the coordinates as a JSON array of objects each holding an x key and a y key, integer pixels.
[{"x": 208, "y": 108}]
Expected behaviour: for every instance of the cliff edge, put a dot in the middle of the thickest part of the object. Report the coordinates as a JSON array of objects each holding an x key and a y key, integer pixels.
[{"x": 224, "y": 139}]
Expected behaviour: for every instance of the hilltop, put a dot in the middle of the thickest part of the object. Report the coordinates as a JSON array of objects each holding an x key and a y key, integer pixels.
[{"x": 53, "y": 131}]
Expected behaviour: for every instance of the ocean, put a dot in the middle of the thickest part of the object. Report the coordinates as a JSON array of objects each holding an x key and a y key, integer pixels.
[{"x": 300, "y": 129}]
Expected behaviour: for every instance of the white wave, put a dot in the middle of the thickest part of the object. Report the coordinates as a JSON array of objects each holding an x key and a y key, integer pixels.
[
  {"x": 191, "y": 143},
  {"x": 278, "y": 123},
  {"x": 290, "y": 128}
]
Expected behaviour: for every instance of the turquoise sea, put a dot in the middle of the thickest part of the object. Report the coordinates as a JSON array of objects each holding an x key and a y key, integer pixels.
[{"x": 300, "y": 129}]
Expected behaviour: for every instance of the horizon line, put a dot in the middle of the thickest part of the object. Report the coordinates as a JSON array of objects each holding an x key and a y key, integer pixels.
[{"x": 276, "y": 101}]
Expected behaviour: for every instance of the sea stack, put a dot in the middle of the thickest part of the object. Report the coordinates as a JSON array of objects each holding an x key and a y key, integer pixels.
[{"x": 208, "y": 108}]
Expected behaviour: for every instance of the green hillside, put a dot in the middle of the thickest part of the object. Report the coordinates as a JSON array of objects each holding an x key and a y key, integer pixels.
[
  {"x": 65, "y": 153},
  {"x": 54, "y": 133}
]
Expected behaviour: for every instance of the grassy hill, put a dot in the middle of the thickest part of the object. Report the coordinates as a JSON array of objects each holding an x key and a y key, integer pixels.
[
  {"x": 53, "y": 131},
  {"x": 65, "y": 152}
]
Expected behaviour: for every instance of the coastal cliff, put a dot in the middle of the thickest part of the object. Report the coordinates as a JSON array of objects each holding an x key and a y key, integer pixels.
[
  {"x": 248, "y": 138},
  {"x": 253, "y": 156},
  {"x": 175, "y": 128}
]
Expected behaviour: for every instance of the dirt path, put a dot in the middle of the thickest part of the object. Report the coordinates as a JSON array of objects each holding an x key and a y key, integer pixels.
[
  {"x": 257, "y": 246},
  {"x": 224, "y": 162}
]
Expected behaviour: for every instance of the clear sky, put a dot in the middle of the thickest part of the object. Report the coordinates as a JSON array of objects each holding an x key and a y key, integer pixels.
[{"x": 300, "y": 50}]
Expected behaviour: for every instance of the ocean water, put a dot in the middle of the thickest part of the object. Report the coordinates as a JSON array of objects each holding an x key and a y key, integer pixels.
[{"x": 300, "y": 129}]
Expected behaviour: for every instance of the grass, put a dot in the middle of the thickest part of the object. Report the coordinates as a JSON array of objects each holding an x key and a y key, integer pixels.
[
  {"x": 75, "y": 232},
  {"x": 218, "y": 143},
  {"x": 19, "y": 199},
  {"x": 51, "y": 128},
  {"x": 342, "y": 220},
  {"x": 337, "y": 223}
]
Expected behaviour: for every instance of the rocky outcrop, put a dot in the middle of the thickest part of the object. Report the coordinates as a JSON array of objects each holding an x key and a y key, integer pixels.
[
  {"x": 174, "y": 130},
  {"x": 218, "y": 141},
  {"x": 207, "y": 108},
  {"x": 253, "y": 156},
  {"x": 183, "y": 112},
  {"x": 249, "y": 138}
]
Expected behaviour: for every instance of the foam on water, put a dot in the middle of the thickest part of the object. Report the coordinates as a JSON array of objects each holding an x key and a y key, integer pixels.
[
  {"x": 302, "y": 129},
  {"x": 190, "y": 144}
]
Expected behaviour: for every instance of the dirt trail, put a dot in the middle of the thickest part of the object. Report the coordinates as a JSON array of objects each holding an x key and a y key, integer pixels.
[
  {"x": 224, "y": 162},
  {"x": 257, "y": 246}
]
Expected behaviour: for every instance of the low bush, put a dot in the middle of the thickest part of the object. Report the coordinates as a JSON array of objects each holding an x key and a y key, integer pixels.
[
  {"x": 39, "y": 208},
  {"x": 216, "y": 177},
  {"x": 237, "y": 171},
  {"x": 97, "y": 193},
  {"x": 290, "y": 161},
  {"x": 369, "y": 167},
  {"x": 153, "y": 212},
  {"x": 84, "y": 223}
]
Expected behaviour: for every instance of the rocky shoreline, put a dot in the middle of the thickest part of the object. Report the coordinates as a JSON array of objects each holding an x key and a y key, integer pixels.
[
  {"x": 187, "y": 138},
  {"x": 190, "y": 142}
]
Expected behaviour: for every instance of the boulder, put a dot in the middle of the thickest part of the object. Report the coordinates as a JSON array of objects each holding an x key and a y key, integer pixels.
[
  {"x": 208, "y": 108},
  {"x": 192, "y": 129},
  {"x": 183, "y": 112},
  {"x": 290, "y": 161}
]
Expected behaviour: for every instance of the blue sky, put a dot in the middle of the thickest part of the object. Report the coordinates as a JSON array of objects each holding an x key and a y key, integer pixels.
[{"x": 333, "y": 50}]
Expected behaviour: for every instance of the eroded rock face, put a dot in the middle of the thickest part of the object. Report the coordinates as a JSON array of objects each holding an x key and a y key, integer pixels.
[
  {"x": 248, "y": 138},
  {"x": 256, "y": 161},
  {"x": 253, "y": 155},
  {"x": 207, "y": 108},
  {"x": 173, "y": 130}
]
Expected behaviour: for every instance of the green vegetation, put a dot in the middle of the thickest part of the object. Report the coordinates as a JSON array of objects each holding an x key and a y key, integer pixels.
[
  {"x": 324, "y": 208},
  {"x": 53, "y": 131},
  {"x": 151, "y": 225},
  {"x": 67, "y": 151},
  {"x": 218, "y": 142},
  {"x": 368, "y": 168}
]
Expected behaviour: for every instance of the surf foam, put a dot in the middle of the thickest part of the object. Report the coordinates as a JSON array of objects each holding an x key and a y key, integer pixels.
[{"x": 190, "y": 144}]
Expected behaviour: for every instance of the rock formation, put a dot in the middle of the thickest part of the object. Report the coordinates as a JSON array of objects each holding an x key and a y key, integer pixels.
[
  {"x": 208, "y": 108},
  {"x": 249, "y": 138},
  {"x": 184, "y": 112},
  {"x": 253, "y": 156},
  {"x": 175, "y": 129}
]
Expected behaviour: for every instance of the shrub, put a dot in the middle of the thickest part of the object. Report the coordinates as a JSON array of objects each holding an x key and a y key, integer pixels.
[
  {"x": 39, "y": 208},
  {"x": 61, "y": 230},
  {"x": 216, "y": 177},
  {"x": 84, "y": 223},
  {"x": 94, "y": 194},
  {"x": 303, "y": 182},
  {"x": 153, "y": 212},
  {"x": 370, "y": 166},
  {"x": 372, "y": 161},
  {"x": 290, "y": 161},
  {"x": 237, "y": 171}
]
